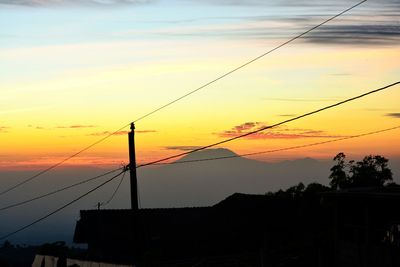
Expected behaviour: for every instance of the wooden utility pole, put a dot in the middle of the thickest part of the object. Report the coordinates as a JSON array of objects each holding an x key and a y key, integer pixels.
[{"x": 132, "y": 168}]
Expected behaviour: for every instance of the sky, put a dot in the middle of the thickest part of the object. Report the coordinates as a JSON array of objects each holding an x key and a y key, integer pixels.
[{"x": 73, "y": 71}]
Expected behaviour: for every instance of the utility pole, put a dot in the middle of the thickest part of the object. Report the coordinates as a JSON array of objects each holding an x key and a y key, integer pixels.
[{"x": 132, "y": 168}]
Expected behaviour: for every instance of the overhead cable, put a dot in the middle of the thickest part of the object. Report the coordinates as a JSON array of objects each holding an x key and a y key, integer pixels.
[
  {"x": 60, "y": 208},
  {"x": 179, "y": 98},
  {"x": 278, "y": 149},
  {"x": 271, "y": 126},
  {"x": 58, "y": 190}
]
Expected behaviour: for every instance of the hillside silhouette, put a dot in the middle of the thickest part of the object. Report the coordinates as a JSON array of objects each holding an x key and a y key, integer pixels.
[{"x": 207, "y": 182}]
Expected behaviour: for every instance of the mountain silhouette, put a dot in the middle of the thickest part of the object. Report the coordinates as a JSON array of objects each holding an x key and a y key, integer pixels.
[
  {"x": 203, "y": 183},
  {"x": 207, "y": 182},
  {"x": 207, "y": 154}
]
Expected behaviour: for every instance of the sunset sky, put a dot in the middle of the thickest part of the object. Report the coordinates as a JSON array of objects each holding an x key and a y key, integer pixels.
[{"x": 73, "y": 71}]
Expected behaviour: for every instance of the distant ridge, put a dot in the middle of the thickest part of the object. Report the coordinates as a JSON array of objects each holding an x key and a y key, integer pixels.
[
  {"x": 209, "y": 153},
  {"x": 205, "y": 183}
]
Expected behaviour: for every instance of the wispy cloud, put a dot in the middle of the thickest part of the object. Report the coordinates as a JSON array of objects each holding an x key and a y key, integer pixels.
[
  {"x": 182, "y": 148},
  {"x": 359, "y": 29},
  {"x": 340, "y": 74},
  {"x": 146, "y": 131},
  {"x": 274, "y": 133},
  {"x": 284, "y": 20},
  {"x": 72, "y": 2},
  {"x": 75, "y": 126},
  {"x": 287, "y": 115},
  {"x": 4, "y": 129},
  {"x": 388, "y": 34},
  {"x": 108, "y": 133},
  {"x": 301, "y": 99},
  {"x": 40, "y": 162},
  {"x": 393, "y": 115}
]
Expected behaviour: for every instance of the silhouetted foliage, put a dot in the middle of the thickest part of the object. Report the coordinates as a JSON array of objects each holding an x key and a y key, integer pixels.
[
  {"x": 300, "y": 190},
  {"x": 339, "y": 178},
  {"x": 314, "y": 188},
  {"x": 296, "y": 190},
  {"x": 371, "y": 171}
]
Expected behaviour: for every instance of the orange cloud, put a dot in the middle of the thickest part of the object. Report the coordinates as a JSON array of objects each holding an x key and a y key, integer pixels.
[{"x": 275, "y": 133}]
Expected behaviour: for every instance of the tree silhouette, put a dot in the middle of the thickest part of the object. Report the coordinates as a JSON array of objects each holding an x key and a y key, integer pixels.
[
  {"x": 314, "y": 188},
  {"x": 296, "y": 190},
  {"x": 339, "y": 177},
  {"x": 371, "y": 171}
]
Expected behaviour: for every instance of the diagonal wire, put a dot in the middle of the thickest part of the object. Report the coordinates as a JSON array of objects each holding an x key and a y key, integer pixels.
[
  {"x": 279, "y": 149},
  {"x": 61, "y": 162},
  {"x": 272, "y": 126},
  {"x": 61, "y": 208},
  {"x": 197, "y": 160},
  {"x": 115, "y": 191},
  {"x": 58, "y": 190},
  {"x": 179, "y": 98},
  {"x": 250, "y": 61}
]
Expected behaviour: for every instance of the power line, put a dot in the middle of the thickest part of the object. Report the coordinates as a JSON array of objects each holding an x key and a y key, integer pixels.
[
  {"x": 180, "y": 98},
  {"x": 221, "y": 142},
  {"x": 197, "y": 160},
  {"x": 59, "y": 163},
  {"x": 249, "y": 62},
  {"x": 272, "y": 126},
  {"x": 61, "y": 208},
  {"x": 115, "y": 191},
  {"x": 279, "y": 149},
  {"x": 58, "y": 190},
  {"x": 231, "y": 139}
]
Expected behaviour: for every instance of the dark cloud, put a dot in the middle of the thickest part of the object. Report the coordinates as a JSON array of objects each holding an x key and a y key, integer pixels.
[
  {"x": 274, "y": 133},
  {"x": 393, "y": 115},
  {"x": 182, "y": 148},
  {"x": 356, "y": 34},
  {"x": 283, "y": 19},
  {"x": 354, "y": 28},
  {"x": 285, "y": 3}
]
